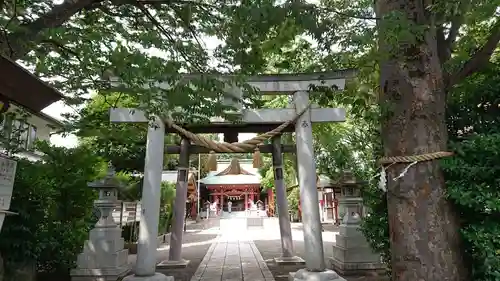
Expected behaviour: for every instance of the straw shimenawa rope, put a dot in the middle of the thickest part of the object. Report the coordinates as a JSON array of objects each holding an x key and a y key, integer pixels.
[
  {"x": 414, "y": 158},
  {"x": 235, "y": 147}
]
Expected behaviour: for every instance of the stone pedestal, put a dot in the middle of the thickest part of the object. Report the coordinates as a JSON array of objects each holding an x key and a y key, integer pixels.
[
  {"x": 293, "y": 260},
  {"x": 104, "y": 257},
  {"x": 172, "y": 264},
  {"x": 255, "y": 222},
  {"x": 352, "y": 254},
  {"x": 156, "y": 277},
  {"x": 306, "y": 275}
]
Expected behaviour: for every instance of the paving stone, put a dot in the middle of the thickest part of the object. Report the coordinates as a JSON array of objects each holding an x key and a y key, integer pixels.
[
  {"x": 211, "y": 272},
  {"x": 250, "y": 265},
  {"x": 268, "y": 275},
  {"x": 233, "y": 257},
  {"x": 232, "y": 275}
]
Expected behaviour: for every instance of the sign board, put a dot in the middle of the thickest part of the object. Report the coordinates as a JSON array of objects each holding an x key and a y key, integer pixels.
[{"x": 7, "y": 176}]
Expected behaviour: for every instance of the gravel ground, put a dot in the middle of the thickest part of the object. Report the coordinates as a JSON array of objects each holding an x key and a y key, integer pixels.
[
  {"x": 269, "y": 245},
  {"x": 196, "y": 242}
]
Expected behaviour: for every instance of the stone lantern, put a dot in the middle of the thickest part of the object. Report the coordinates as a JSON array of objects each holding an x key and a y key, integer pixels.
[
  {"x": 103, "y": 256},
  {"x": 350, "y": 199},
  {"x": 352, "y": 254},
  {"x": 108, "y": 198}
]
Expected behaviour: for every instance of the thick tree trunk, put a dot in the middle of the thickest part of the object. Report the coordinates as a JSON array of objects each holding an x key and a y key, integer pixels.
[{"x": 424, "y": 229}]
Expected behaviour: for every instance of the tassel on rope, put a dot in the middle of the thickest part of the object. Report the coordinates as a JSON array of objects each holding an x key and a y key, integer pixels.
[
  {"x": 257, "y": 159},
  {"x": 211, "y": 164}
]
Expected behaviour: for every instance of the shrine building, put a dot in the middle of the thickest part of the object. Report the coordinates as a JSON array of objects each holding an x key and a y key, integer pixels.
[{"x": 236, "y": 181}]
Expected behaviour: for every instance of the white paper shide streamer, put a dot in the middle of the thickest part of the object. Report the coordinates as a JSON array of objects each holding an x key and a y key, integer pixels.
[
  {"x": 382, "y": 180},
  {"x": 382, "y": 184}
]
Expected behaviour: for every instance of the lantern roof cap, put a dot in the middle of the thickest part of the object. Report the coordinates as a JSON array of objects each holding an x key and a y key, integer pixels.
[{"x": 108, "y": 181}]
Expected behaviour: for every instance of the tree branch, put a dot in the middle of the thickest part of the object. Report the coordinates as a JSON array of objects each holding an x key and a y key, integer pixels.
[
  {"x": 18, "y": 44},
  {"x": 455, "y": 20},
  {"x": 442, "y": 46},
  {"x": 60, "y": 46},
  {"x": 456, "y": 23},
  {"x": 477, "y": 60},
  {"x": 165, "y": 33}
]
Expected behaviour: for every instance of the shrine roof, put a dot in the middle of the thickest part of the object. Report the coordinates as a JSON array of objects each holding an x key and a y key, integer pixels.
[
  {"x": 25, "y": 89},
  {"x": 245, "y": 164},
  {"x": 236, "y": 171},
  {"x": 231, "y": 179}
]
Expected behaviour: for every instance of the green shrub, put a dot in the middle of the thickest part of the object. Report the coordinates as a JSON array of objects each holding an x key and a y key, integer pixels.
[
  {"x": 375, "y": 226},
  {"x": 472, "y": 180},
  {"x": 54, "y": 207},
  {"x": 166, "y": 207}
]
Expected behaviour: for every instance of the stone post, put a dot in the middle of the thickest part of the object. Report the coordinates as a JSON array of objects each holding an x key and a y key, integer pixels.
[
  {"x": 287, "y": 252},
  {"x": 147, "y": 244},
  {"x": 352, "y": 254},
  {"x": 103, "y": 256},
  {"x": 313, "y": 240},
  {"x": 175, "y": 254}
]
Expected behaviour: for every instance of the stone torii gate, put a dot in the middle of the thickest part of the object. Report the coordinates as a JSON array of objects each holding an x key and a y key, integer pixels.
[{"x": 255, "y": 121}]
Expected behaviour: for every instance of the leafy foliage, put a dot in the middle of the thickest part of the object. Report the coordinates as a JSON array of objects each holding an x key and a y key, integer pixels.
[
  {"x": 122, "y": 144},
  {"x": 142, "y": 48},
  {"x": 166, "y": 206},
  {"x": 473, "y": 105},
  {"x": 472, "y": 175},
  {"x": 54, "y": 207},
  {"x": 472, "y": 181}
]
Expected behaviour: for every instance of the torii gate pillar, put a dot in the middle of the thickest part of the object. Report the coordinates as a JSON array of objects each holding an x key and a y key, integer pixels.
[
  {"x": 313, "y": 240},
  {"x": 145, "y": 268}
]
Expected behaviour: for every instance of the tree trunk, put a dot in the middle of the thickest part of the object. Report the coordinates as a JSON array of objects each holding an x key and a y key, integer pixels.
[{"x": 423, "y": 227}]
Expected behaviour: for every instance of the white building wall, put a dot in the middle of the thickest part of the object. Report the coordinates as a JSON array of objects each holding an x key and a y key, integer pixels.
[{"x": 44, "y": 127}]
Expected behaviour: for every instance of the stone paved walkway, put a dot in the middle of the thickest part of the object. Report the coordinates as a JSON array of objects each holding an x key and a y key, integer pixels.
[
  {"x": 196, "y": 242},
  {"x": 233, "y": 256}
]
